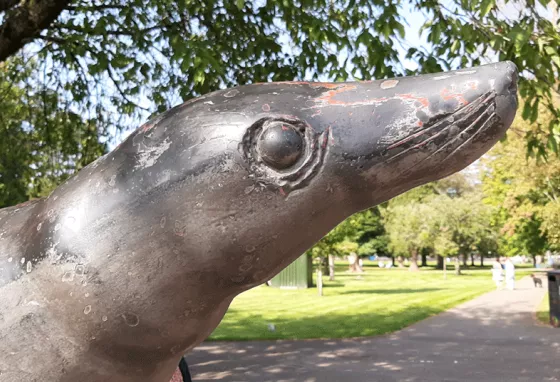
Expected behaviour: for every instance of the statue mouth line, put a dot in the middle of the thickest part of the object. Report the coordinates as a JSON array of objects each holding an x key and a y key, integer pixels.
[{"x": 444, "y": 131}]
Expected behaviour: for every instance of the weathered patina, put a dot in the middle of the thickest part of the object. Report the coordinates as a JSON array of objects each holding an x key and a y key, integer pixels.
[{"x": 135, "y": 259}]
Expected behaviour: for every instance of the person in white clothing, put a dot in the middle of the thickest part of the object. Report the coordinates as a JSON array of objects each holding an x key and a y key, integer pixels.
[
  {"x": 497, "y": 274},
  {"x": 510, "y": 274}
]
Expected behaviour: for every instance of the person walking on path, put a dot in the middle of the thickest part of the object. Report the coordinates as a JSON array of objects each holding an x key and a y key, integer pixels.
[
  {"x": 510, "y": 274},
  {"x": 497, "y": 274}
]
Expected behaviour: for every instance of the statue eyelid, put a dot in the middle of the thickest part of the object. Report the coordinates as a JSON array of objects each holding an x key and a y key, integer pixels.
[{"x": 283, "y": 152}]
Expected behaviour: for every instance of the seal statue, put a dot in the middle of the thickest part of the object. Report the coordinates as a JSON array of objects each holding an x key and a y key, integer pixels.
[{"x": 134, "y": 260}]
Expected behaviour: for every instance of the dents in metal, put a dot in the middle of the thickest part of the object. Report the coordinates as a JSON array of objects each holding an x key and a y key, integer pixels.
[
  {"x": 131, "y": 319},
  {"x": 112, "y": 180},
  {"x": 68, "y": 277}
]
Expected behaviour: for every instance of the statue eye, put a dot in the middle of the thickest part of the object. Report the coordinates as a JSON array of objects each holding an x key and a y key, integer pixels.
[
  {"x": 283, "y": 152},
  {"x": 280, "y": 145}
]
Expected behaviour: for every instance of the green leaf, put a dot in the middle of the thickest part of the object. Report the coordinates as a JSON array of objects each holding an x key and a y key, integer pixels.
[{"x": 486, "y": 6}]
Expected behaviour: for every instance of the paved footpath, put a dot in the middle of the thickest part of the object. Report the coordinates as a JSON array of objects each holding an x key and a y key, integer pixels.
[{"x": 491, "y": 338}]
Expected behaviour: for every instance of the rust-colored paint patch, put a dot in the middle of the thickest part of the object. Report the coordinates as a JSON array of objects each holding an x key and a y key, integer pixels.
[
  {"x": 447, "y": 95},
  {"x": 328, "y": 85},
  {"x": 423, "y": 100},
  {"x": 147, "y": 126},
  {"x": 328, "y": 97}
]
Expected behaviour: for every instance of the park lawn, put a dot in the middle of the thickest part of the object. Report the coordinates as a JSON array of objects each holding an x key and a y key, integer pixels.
[
  {"x": 543, "y": 311},
  {"x": 376, "y": 302}
]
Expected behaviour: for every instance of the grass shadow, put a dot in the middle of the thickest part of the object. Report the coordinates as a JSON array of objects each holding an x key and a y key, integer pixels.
[{"x": 391, "y": 291}]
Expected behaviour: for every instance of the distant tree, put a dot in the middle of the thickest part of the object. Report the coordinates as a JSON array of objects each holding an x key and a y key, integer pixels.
[
  {"x": 37, "y": 154},
  {"x": 410, "y": 229},
  {"x": 462, "y": 225},
  {"x": 525, "y": 192},
  {"x": 371, "y": 235}
]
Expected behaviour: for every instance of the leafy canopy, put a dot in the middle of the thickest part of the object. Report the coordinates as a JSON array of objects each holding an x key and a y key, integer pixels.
[{"x": 122, "y": 59}]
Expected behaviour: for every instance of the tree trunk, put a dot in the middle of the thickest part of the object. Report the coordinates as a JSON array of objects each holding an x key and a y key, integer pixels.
[
  {"x": 444, "y": 263},
  {"x": 534, "y": 261},
  {"x": 539, "y": 260},
  {"x": 392, "y": 260},
  {"x": 413, "y": 267},
  {"x": 472, "y": 259},
  {"x": 324, "y": 266},
  {"x": 457, "y": 266},
  {"x": 400, "y": 260},
  {"x": 354, "y": 263},
  {"x": 464, "y": 256},
  {"x": 440, "y": 262},
  {"x": 424, "y": 260},
  {"x": 331, "y": 268},
  {"x": 320, "y": 281},
  {"x": 481, "y": 260},
  {"x": 21, "y": 24}
]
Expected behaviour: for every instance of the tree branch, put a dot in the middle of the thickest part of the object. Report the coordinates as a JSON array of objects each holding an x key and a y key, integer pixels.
[
  {"x": 7, "y": 4},
  {"x": 23, "y": 23},
  {"x": 72, "y": 28},
  {"x": 121, "y": 91},
  {"x": 93, "y": 8}
]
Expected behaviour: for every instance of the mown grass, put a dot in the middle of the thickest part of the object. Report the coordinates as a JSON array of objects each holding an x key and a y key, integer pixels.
[
  {"x": 543, "y": 311},
  {"x": 376, "y": 302}
]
